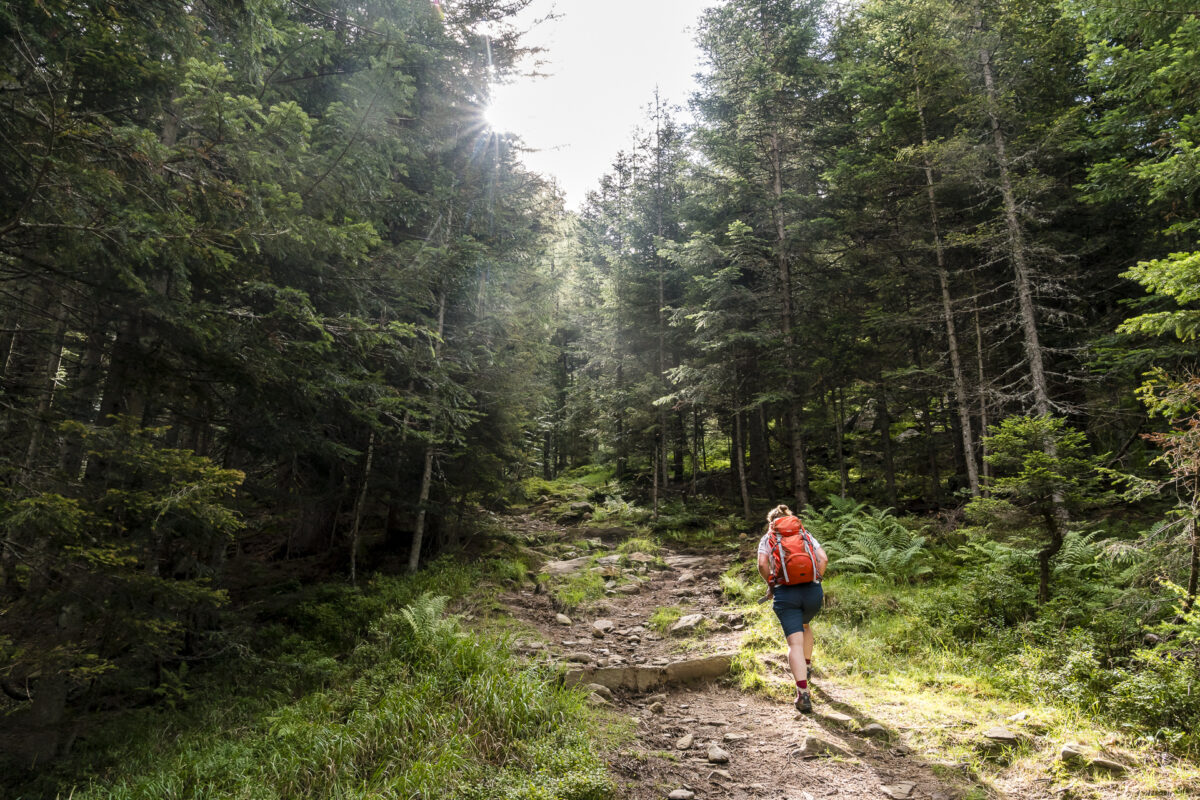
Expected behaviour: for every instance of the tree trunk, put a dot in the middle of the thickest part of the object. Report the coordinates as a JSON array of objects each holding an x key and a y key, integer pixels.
[
  {"x": 739, "y": 459},
  {"x": 49, "y": 382},
  {"x": 414, "y": 554},
  {"x": 680, "y": 436},
  {"x": 358, "y": 510},
  {"x": 1047, "y": 553},
  {"x": 885, "y": 437},
  {"x": 839, "y": 417},
  {"x": 935, "y": 480},
  {"x": 1193, "y": 566},
  {"x": 799, "y": 468},
  {"x": 956, "y": 367},
  {"x": 1016, "y": 238},
  {"x": 654, "y": 490},
  {"x": 760, "y": 473},
  {"x": 695, "y": 448},
  {"x": 985, "y": 467}
]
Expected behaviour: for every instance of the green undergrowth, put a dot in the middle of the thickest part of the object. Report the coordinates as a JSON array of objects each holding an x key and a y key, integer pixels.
[
  {"x": 357, "y": 694},
  {"x": 664, "y": 617},
  {"x": 592, "y": 483},
  {"x": 575, "y": 591}
]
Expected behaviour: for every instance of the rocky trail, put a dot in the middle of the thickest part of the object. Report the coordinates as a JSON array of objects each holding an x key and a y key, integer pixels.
[{"x": 698, "y": 736}]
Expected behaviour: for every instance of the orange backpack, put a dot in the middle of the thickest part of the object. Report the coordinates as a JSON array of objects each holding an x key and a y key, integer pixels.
[{"x": 793, "y": 555}]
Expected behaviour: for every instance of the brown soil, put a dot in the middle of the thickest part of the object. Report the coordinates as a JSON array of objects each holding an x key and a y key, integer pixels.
[{"x": 765, "y": 734}]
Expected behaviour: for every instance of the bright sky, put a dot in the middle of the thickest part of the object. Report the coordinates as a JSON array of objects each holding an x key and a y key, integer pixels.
[{"x": 603, "y": 59}]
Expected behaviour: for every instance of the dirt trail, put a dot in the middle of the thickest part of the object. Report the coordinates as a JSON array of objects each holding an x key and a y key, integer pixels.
[{"x": 762, "y": 739}]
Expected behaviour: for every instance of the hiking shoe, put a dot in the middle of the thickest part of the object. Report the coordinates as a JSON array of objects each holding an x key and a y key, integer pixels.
[{"x": 803, "y": 701}]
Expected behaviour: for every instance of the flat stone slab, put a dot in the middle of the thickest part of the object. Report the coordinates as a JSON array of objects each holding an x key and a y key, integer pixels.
[
  {"x": 899, "y": 791},
  {"x": 684, "y": 562},
  {"x": 643, "y": 679},
  {"x": 1108, "y": 765},
  {"x": 568, "y": 567},
  {"x": 1003, "y": 736},
  {"x": 699, "y": 669}
]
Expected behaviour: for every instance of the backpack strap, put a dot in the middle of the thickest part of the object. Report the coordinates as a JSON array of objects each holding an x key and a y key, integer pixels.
[
  {"x": 811, "y": 548},
  {"x": 776, "y": 546}
]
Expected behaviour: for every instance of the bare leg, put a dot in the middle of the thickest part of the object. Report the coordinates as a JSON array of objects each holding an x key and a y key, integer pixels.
[
  {"x": 809, "y": 641},
  {"x": 798, "y": 644}
]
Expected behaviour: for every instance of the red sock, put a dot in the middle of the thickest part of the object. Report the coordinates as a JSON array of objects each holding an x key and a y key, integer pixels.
[
  {"x": 801, "y": 685},
  {"x": 808, "y": 662}
]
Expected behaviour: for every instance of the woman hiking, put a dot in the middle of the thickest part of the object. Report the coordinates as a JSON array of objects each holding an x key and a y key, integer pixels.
[{"x": 792, "y": 563}]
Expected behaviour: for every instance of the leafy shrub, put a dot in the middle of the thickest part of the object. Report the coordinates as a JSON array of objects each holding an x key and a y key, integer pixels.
[{"x": 992, "y": 597}]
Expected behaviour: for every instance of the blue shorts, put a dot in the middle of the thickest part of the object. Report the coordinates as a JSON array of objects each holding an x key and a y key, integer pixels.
[{"x": 797, "y": 605}]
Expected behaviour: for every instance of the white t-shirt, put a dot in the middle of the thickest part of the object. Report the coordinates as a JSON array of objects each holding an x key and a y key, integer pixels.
[{"x": 764, "y": 548}]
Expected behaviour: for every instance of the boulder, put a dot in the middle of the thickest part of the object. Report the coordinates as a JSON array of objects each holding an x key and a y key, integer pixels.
[
  {"x": 899, "y": 791},
  {"x": 582, "y": 508},
  {"x": 657, "y": 708},
  {"x": 686, "y": 577},
  {"x": 734, "y": 738},
  {"x": 685, "y": 742},
  {"x": 687, "y": 624},
  {"x": 629, "y": 588},
  {"x": 579, "y": 658},
  {"x": 563, "y": 619},
  {"x": 603, "y": 626},
  {"x": 640, "y": 558}
]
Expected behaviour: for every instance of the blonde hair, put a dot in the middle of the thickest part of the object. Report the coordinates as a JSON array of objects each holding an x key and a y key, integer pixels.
[{"x": 777, "y": 512}]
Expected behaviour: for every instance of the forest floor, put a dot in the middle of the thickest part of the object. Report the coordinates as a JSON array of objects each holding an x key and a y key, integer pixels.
[{"x": 716, "y": 740}]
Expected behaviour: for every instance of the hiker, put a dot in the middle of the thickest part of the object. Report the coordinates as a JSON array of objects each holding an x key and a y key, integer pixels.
[{"x": 792, "y": 563}]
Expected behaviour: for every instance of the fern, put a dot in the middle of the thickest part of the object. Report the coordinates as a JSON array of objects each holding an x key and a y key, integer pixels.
[
  {"x": 429, "y": 630},
  {"x": 874, "y": 544}
]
